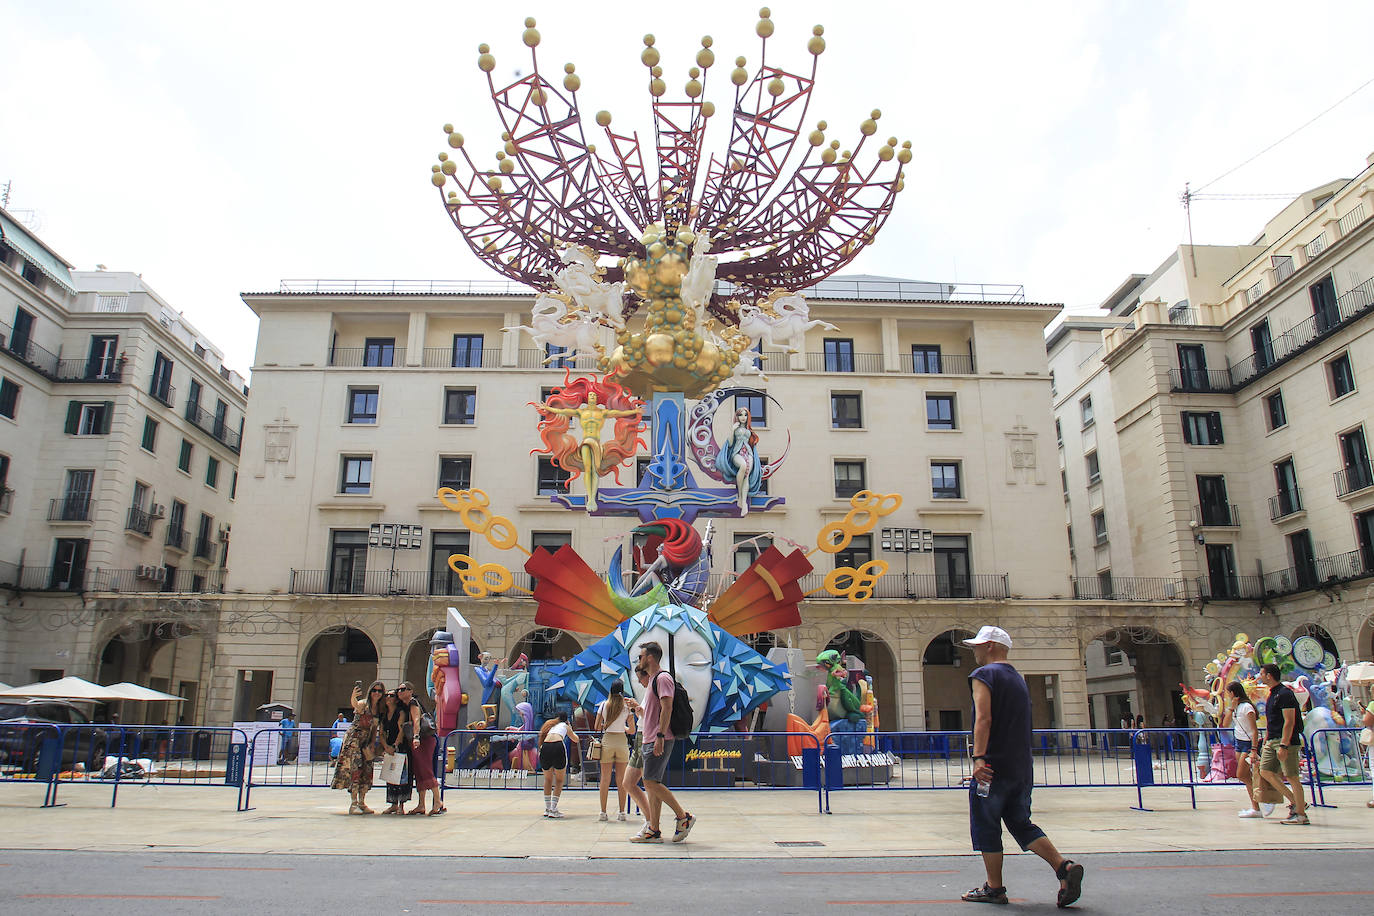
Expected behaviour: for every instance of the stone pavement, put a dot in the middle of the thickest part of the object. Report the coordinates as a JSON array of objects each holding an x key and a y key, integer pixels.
[{"x": 735, "y": 824}]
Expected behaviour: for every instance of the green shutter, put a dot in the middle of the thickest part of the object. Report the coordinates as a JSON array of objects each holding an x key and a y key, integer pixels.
[
  {"x": 73, "y": 417},
  {"x": 109, "y": 416}
]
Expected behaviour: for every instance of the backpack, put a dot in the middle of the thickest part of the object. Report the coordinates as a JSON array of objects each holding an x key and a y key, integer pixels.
[{"x": 680, "y": 720}]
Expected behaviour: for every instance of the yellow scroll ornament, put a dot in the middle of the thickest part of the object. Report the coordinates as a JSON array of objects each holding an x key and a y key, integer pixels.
[
  {"x": 868, "y": 507},
  {"x": 474, "y": 508}
]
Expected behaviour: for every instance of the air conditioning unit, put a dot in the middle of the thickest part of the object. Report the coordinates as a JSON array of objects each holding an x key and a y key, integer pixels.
[
  {"x": 158, "y": 511},
  {"x": 159, "y": 573},
  {"x": 146, "y": 572},
  {"x": 224, "y": 532}
]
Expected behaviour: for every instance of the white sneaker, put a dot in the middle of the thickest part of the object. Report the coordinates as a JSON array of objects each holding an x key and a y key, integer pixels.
[
  {"x": 601, "y": 816},
  {"x": 1266, "y": 809},
  {"x": 620, "y": 816},
  {"x": 555, "y": 813},
  {"x": 1251, "y": 812}
]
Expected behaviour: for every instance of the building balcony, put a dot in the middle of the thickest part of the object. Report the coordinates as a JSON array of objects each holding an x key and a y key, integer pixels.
[
  {"x": 1217, "y": 515},
  {"x": 1321, "y": 572},
  {"x": 363, "y": 358},
  {"x": 1285, "y": 503},
  {"x": 1199, "y": 380},
  {"x": 534, "y": 359},
  {"x": 216, "y": 426},
  {"x": 443, "y": 358},
  {"x": 41, "y": 578},
  {"x": 1353, "y": 478},
  {"x": 205, "y": 550},
  {"x": 149, "y": 579},
  {"x": 140, "y": 522},
  {"x": 6, "y": 500},
  {"x": 1353, "y": 304},
  {"x": 178, "y": 538},
  {"x": 71, "y": 508},
  {"x": 89, "y": 370},
  {"x": 165, "y": 393},
  {"x": 866, "y": 363},
  {"x": 1131, "y": 589},
  {"x": 952, "y": 364},
  {"x": 24, "y": 350},
  {"x": 1230, "y": 588}
]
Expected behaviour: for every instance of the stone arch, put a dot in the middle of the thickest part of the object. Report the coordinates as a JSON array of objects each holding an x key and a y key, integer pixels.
[
  {"x": 1320, "y": 634},
  {"x": 1364, "y": 641},
  {"x": 166, "y": 655},
  {"x": 335, "y": 658},
  {"x": 945, "y": 665},
  {"x": 1133, "y": 670},
  {"x": 545, "y": 643},
  {"x": 879, "y": 661}
]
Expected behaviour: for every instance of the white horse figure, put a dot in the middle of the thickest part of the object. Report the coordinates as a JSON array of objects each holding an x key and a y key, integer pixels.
[
  {"x": 553, "y": 323},
  {"x": 781, "y": 319},
  {"x": 700, "y": 279},
  {"x": 578, "y": 280}
]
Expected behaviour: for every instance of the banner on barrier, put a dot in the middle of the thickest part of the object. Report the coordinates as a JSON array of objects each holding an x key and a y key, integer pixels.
[{"x": 234, "y": 764}]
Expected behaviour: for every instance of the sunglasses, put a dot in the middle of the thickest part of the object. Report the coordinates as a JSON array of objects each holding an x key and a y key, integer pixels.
[
  {"x": 405, "y": 689},
  {"x": 640, "y": 671},
  {"x": 376, "y": 690}
]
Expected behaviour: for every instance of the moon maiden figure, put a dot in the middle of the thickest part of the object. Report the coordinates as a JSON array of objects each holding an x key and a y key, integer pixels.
[{"x": 738, "y": 458}]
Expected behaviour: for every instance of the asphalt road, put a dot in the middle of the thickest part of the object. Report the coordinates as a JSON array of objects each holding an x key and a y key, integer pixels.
[{"x": 1329, "y": 881}]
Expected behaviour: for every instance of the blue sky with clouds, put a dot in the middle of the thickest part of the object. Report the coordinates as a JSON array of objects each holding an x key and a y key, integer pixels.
[{"x": 221, "y": 148}]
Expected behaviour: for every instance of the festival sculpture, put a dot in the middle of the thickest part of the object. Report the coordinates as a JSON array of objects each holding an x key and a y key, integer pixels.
[{"x": 666, "y": 281}]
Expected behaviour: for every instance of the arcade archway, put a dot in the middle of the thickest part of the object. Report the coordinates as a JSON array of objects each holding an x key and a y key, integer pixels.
[
  {"x": 1320, "y": 634},
  {"x": 335, "y": 659},
  {"x": 945, "y": 666},
  {"x": 546, "y": 643},
  {"x": 879, "y": 662},
  {"x": 163, "y": 655},
  {"x": 1132, "y": 672}
]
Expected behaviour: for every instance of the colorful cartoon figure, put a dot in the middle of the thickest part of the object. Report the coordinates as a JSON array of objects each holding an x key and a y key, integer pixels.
[
  {"x": 592, "y": 402},
  {"x": 738, "y": 459},
  {"x": 445, "y": 681}
]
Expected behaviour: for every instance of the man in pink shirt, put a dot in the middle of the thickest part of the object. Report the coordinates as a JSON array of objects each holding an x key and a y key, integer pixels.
[{"x": 657, "y": 742}]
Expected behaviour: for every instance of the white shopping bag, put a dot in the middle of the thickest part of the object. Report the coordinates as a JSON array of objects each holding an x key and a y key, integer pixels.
[{"x": 392, "y": 769}]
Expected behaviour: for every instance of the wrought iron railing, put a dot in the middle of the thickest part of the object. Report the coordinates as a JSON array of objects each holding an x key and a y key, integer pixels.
[
  {"x": 6, "y": 500},
  {"x": 1131, "y": 588},
  {"x": 139, "y": 521},
  {"x": 918, "y": 585},
  {"x": 205, "y": 549},
  {"x": 218, "y": 427},
  {"x": 368, "y": 358},
  {"x": 1320, "y": 572},
  {"x": 534, "y": 359},
  {"x": 165, "y": 393},
  {"x": 28, "y": 352},
  {"x": 867, "y": 363},
  {"x": 1315, "y": 247},
  {"x": 1254, "y": 292},
  {"x": 1353, "y": 478},
  {"x": 408, "y": 287},
  {"x": 209, "y": 581},
  {"x": 953, "y": 364},
  {"x": 1283, "y": 267},
  {"x": 1285, "y": 503},
  {"x": 1230, "y": 588},
  {"x": 42, "y": 578},
  {"x": 89, "y": 370},
  {"x": 1200, "y": 380},
  {"x": 1352, "y": 304},
  {"x": 1217, "y": 515},
  {"x": 178, "y": 538},
  {"x": 71, "y": 508},
  {"x": 443, "y": 358},
  {"x": 1346, "y": 224}
]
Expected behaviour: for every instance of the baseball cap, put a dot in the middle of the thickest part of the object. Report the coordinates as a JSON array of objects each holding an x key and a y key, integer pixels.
[{"x": 990, "y": 634}]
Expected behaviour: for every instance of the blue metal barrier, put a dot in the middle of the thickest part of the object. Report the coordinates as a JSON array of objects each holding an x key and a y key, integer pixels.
[
  {"x": 495, "y": 759},
  {"x": 113, "y": 755},
  {"x": 1335, "y": 757}
]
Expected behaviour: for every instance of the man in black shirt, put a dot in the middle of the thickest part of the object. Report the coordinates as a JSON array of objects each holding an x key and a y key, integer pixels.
[
  {"x": 1002, "y": 777},
  {"x": 1283, "y": 744}
]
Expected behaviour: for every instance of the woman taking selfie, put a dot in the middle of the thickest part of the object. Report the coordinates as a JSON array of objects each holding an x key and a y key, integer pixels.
[{"x": 354, "y": 769}]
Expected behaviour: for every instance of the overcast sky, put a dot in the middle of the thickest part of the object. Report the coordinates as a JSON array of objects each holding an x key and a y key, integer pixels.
[{"x": 220, "y": 148}]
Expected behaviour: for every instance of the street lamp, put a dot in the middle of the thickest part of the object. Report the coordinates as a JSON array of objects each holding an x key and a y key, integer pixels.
[
  {"x": 397, "y": 537},
  {"x": 907, "y": 541}
]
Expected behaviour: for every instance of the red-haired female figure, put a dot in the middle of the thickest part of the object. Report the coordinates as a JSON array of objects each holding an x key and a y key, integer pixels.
[{"x": 592, "y": 401}]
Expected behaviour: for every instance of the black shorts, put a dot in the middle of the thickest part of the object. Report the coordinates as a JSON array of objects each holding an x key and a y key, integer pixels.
[{"x": 553, "y": 756}]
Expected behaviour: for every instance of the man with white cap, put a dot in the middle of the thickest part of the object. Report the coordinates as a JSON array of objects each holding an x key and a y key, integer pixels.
[{"x": 1002, "y": 775}]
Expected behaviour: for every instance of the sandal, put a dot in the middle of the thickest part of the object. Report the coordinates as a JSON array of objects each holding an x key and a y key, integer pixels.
[
  {"x": 1071, "y": 872},
  {"x": 416, "y": 810},
  {"x": 436, "y": 811},
  {"x": 985, "y": 894}
]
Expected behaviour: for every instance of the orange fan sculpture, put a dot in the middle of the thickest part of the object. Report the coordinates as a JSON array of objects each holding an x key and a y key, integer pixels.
[{"x": 765, "y": 596}]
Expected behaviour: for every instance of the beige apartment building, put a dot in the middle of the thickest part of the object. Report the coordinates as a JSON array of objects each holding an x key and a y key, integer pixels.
[
  {"x": 1212, "y": 440},
  {"x": 119, "y": 452}
]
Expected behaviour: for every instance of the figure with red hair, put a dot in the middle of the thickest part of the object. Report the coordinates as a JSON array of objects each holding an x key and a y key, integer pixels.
[{"x": 592, "y": 402}]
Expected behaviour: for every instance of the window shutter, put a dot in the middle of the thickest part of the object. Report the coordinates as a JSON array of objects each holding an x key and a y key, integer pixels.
[
  {"x": 73, "y": 417},
  {"x": 109, "y": 415}
]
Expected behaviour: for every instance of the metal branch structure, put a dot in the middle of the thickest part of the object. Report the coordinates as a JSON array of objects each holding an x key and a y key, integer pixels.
[{"x": 781, "y": 209}]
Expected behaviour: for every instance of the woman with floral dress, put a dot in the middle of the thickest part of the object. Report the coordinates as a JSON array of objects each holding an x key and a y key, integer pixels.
[{"x": 354, "y": 769}]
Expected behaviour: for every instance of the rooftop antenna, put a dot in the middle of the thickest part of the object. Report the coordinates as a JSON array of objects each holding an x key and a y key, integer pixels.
[
  {"x": 1187, "y": 198},
  {"x": 5, "y": 194}
]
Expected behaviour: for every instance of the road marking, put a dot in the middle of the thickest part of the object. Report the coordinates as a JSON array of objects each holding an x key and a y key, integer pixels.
[
  {"x": 914, "y": 871},
  {"x": 1300, "y": 894},
  {"x": 579, "y": 874},
  {"x": 216, "y": 868},
  {"x": 510, "y": 902},
  {"x": 1137, "y": 867},
  {"x": 114, "y": 897},
  {"x": 904, "y": 902}
]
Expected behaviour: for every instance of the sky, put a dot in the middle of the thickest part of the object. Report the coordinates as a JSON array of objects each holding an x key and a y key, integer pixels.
[{"x": 222, "y": 148}]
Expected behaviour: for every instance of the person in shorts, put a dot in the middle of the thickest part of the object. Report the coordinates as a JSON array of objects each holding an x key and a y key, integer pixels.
[
  {"x": 614, "y": 720},
  {"x": 553, "y": 759},
  {"x": 1240, "y": 715},
  {"x": 657, "y": 740},
  {"x": 635, "y": 769},
  {"x": 1283, "y": 744},
  {"x": 1000, "y": 791}
]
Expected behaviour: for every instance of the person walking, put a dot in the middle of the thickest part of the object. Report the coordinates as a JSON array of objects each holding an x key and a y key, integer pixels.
[
  {"x": 1283, "y": 744},
  {"x": 553, "y": 759},
  {"x": 288, "y": 732},
  {"x": 635, "y": 768},
  {"x": 1367, "y": 725},
  {"x": 657, "y": 739},
  {"x": 1240, "y": 715},
  {"x": 614, "y": 721},
  {"x": 354, "y": 769},
  {"x": 1000, "y": 791}
]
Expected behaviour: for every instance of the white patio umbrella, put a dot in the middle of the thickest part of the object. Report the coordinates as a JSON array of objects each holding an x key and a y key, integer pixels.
[
  {"x": 67, "y": 688},
  {"x": 137, "y": 693},
  {"x": 1361, "y": 673}
]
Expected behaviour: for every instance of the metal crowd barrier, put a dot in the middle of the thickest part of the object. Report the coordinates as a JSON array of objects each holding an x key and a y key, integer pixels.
[
  {"x": 1339, "y": 751},
  {"x": 498, "y": 759},
  {"x": 113, "y": 755}
]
